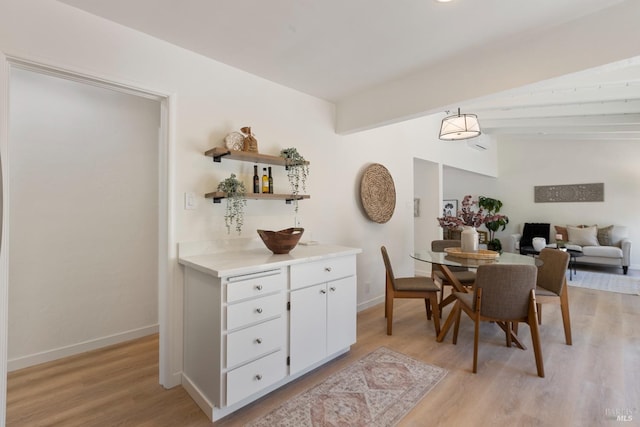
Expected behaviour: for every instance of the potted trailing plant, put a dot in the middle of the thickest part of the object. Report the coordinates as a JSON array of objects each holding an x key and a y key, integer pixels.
[
  {"x": 236, "y": 201},
  {"x": 493, "y": 220},
  {"x": 297, "y": 171}
]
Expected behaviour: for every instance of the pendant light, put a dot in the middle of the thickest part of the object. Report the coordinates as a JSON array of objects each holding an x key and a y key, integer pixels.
[{"x": 459, "y": 126}]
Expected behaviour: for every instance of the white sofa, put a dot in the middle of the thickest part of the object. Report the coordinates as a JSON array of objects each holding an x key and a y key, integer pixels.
[{"x": 605, "y": 246}]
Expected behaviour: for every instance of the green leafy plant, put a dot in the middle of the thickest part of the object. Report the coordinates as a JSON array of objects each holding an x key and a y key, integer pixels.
[
  {"x": 236, "y": 201},
  {"x": 493, "y": 220},
  {"x": 297, "y": 171}
]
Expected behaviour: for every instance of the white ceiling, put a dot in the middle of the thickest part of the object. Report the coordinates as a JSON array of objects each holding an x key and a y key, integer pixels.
[{"x": 335, "y": 49}]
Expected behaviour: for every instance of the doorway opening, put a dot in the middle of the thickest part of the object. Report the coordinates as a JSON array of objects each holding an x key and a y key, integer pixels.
[{"x": 92, "y": 201}]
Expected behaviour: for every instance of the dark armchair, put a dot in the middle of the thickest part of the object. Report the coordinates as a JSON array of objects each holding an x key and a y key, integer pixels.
[{"x": 531, "y": 230}]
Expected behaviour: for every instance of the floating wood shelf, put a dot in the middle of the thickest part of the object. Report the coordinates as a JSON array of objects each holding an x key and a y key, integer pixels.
[
  {"x": 218, "y": 196},
  {"x": 218, "y": 153}
]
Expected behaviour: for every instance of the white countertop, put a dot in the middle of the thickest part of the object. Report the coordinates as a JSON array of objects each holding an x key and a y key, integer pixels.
[{"x": 235, "y": 262}]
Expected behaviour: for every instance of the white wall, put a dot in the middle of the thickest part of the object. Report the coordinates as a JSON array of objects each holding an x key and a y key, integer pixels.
[
  {"x": 83, "y": 182},
  {"x": 401, "y": 148},
  {"x": 211, "y": 99},
  {"x": 459, "y": 183},
  {"x": 525, "y": 164},
  {"x": 427, "y": 187}
]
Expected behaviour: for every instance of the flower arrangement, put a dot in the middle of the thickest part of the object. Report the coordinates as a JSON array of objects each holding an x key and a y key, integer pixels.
[{"x": 468, "y": 215}]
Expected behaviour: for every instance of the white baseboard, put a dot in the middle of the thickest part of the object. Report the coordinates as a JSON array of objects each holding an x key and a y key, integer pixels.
[
  {"x": 70, "y": 350},
  {"x": 175, "y": 379},
  {"x": 370, "y": 303}
]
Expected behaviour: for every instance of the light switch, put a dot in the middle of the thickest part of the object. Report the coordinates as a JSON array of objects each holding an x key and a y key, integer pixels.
[{"x": 189, "y": 201}]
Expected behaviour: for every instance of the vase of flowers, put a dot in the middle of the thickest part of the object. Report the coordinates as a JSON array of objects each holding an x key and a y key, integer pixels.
[{"x": 472, "y": 215}]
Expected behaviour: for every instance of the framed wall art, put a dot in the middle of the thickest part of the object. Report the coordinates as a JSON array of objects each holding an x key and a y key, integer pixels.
[
  {"x": 449, "y": 207},
  {"x": 569, "y": 193}
]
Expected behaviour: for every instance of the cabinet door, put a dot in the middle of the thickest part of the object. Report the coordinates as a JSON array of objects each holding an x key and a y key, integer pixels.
[
  {"x": 341, "y": 314},
  {"x": 308, "y": 329}
]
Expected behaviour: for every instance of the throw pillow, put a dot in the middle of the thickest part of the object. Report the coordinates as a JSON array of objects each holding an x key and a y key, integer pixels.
[
  {"x": 563, "y": 231},
  {"x": 587, "y": 236},
  {"x": 604, "y": 235}
]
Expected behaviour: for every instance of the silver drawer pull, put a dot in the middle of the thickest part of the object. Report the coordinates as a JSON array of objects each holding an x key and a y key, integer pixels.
[
  {"x": 258, "y": 377},
  {"x": 259, "y": 287},
  {"x": 259, "y": 340},
  {"x": 327, "y": 269},
  {"x": 322, "y": 291},
  {"x": 258, "y": 310},
  {"x": 332, "y": 289}
]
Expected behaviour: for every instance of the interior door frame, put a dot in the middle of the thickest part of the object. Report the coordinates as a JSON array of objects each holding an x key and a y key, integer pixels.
[{"x": 169, "y": 376}]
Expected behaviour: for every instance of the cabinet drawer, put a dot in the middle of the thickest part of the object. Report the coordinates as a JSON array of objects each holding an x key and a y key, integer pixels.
[
  {"x": 255, "y": 310},
  {"x": 325, "y": 270},
  {"x": 254, "y": 285},
  {"x": 246, "y": 344},
  {"x": 253, "y": 377}
]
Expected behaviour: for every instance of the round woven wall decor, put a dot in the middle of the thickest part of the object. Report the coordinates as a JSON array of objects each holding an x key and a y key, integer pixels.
[{"x": 378, "y": 194}]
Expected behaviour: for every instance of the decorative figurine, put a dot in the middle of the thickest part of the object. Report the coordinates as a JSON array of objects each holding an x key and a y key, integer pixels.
[{"x": 250, "y": 142}]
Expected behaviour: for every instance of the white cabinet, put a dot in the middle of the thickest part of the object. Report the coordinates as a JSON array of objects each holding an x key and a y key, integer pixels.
[
  {"x": 240, "y": 342},
  {"x": 235, "y": 333},
  {"x": 341, "y": 314},
  {"x": 307, "y": 326},
  {"x": 322, "y": 320}
]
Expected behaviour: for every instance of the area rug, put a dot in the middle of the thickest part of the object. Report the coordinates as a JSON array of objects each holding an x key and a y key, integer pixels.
[
  {"x": 606, "y": 282},
  {"x": 377, "y": 390}
]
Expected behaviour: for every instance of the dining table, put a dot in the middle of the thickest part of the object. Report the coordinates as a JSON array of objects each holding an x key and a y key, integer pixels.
[{"x": 444, "y": 260}]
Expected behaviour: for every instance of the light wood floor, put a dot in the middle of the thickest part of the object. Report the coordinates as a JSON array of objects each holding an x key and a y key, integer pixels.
[{"x": 584, "y": 383}]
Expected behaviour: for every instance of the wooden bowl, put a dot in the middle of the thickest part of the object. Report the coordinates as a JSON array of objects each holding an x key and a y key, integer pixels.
[{"x": 281, "y": 242}]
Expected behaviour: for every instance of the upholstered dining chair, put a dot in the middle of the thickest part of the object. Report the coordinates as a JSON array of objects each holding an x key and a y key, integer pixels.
[
  {"x": 551, "y": 287},
  {"x": 506, "y": 294},
  {"x": 463, "y": 274},
  {"x": 409, "y": 287}
]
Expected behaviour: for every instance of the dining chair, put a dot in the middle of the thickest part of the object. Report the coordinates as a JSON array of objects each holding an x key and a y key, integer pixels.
[
  {"x": 409, "y": 287},
  {"x": 463, "y": 274},
  {"x": 551, "y": 286},
  {"x": 504, "y": 294}
]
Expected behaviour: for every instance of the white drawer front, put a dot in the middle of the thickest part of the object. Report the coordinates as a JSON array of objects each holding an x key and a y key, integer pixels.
[
  {"x": 255, "y": 285},
  {"x": 314, "y": 272},
  {"x": 255, "y": 310},
  {"x": 249, "y": 343},
  {"x": 248, "y": 379}
]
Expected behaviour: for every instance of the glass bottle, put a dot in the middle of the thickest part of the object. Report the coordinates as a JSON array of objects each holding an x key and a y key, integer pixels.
[
  {"x": 256, "y": 180},
  {"x": 270, "y": 182},
  {"x": 265, "y": 181}
]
